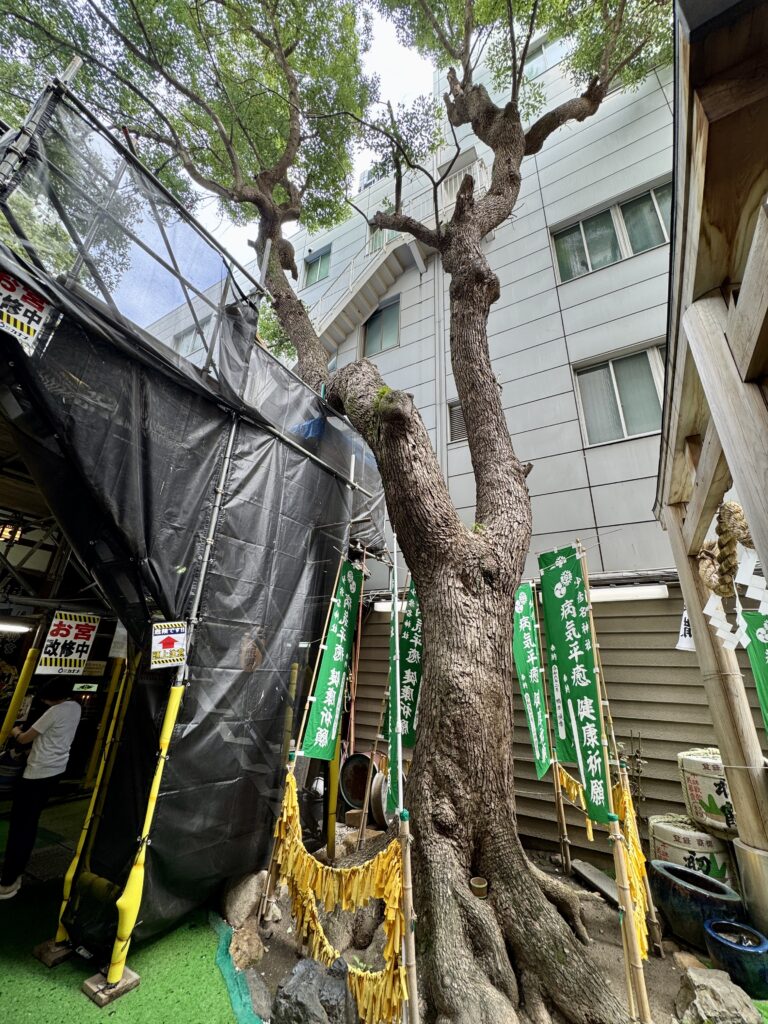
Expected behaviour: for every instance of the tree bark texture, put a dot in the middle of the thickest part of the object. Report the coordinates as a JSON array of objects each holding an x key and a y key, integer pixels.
[{"x": 517, "y": 956}]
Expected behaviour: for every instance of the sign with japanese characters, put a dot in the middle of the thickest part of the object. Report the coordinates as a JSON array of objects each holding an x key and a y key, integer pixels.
[
  {"x": 411, "y": 644},
  {"x": 525, "y": 648},
  {"x": 68, "y": 644},
  {"x": 325, "y": 716},
  {"x": 23, "y": 312},
  {"x": 169, "y": 644},
  {"x": 574, "y": 683},
  {"x": 685, "y": 636},
  {"x": 757, "y": 649}
]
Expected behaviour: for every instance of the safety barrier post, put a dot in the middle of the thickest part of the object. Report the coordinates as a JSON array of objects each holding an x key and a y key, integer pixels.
[
  {"x": 116, "y": 676},
  {"x": 22, "y": 684}
]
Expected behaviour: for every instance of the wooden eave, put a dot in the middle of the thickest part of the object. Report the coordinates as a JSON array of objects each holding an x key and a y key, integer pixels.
[{"x": 720, "y": 245}]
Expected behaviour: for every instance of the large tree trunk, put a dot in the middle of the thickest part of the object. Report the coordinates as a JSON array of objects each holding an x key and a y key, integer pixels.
[{"x": 515, "y": 957}]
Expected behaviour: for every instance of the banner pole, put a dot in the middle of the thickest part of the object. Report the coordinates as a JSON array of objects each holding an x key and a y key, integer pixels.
[
  {"x": 654, "y": 926},
  {"x": 409, "y": 939},
  {"x": 636, "y": 978},
  {"x": 369, "y": 779},
  {"x": 333, "y": 801},
  {"x": 398, "y": 719},
  {"x": 562, "y": 826},
  {"x": 316, "y": 669},
  {"x": 356, "y": 664}
]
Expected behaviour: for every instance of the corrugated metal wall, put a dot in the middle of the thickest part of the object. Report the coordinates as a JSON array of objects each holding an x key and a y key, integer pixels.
[{"x": 656, "y": 695}]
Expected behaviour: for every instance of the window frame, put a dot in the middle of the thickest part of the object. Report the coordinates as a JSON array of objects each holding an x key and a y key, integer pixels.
[
  {"x": 656, "y": 363},
  {"x": 394, "y": 301},
  {"x": 316, "y": 257},
  {"x": 620, "y": 228},
  {"x": 193, "y": 332},
  {"x": 454, "y": 403}
]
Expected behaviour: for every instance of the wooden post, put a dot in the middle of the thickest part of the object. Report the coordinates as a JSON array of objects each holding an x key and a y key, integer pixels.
[
  {"x": 636, "y": 982},
  {"x": 727, "y": 699},
  {"x": 333, "y": 800},
  {"x": 562, "y": 826},
  {"x": 409, "y": 939}
]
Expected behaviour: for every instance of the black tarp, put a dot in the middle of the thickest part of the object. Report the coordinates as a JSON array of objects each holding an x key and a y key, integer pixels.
[{"x": 127, "y": 442}]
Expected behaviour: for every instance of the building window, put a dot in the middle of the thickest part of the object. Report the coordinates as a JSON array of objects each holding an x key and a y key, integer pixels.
[
  {"x": 622, "y": 397},
  {"x": 188, "y": 342},
  {"x": 382, "y": 330},
  {"x": 317, "y": 268},
  {"x": 379, "y": 237},
  {"x": 543, "y": 56},
  {"x": 457, "y": 428},
  {"x": 623, "y": 230}
]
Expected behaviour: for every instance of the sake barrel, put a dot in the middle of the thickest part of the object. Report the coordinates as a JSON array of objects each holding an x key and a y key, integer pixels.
[
  {"x": 677, "y": 839},
  {"x": 705, "y": 791}
]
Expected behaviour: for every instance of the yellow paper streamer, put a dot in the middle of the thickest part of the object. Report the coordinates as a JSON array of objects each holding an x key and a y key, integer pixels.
[
  {"x": 622, "y": 802},
  {"x": 379, "y": 994},
  {"x": 575, "y": 793}
]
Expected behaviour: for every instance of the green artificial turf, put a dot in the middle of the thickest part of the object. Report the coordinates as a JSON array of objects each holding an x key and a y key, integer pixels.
[
  {"x": 762, "y": 1008},
  {"x": 180, "y": 981}
]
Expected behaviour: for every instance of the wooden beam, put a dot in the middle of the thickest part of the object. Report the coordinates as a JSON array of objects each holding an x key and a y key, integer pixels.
[
  {"x": 747, "y": 326},
  {"x": 711, "y": 480},
  {"x": 738, "y": 410},
  {"x": 728, "y": 703},
  {"x": 740, "y": 86}
]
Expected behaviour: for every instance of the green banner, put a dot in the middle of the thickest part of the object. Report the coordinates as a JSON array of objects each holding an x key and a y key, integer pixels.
[
  {"x": 324, "y": 718},
  {"x": 757, "y": 649},
  {"x": 574, "y": 683},
  {"x": 411, "y": 644},
  {"x": 525, "y": 648}
]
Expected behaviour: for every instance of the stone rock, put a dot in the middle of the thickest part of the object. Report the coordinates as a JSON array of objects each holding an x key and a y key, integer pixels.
[
  {"x": 245, "y": 946},
  {"x": 684, "y": 960},
  {"x": 242, "y": 898},
  {"x": 312, "y": 994},
  {"x": 710, "y": 997},
  {"x": 261, "y": 997}
]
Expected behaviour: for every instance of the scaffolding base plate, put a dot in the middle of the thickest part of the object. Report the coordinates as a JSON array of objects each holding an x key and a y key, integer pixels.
[
  {"x": 99, "y": 991},
  {"x": 52, "y": 953}
]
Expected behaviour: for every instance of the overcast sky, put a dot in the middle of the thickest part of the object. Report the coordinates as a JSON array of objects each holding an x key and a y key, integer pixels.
[{"x": 403, "y": 76}]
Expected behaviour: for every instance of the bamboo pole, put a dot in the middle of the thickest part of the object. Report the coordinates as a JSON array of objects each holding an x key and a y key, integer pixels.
[
  {"x": 562, "y": 826},
  {"x": 654, "y": 925},
  {"x": 409, "y": 939},
  {"x": 61, "y": 933},
  {"x": 396, "y": 709},
  {"x": 636, "y": 978},
  {"x": 356, "y": 664},
  {"x": 288, "y": 726},
  {"x": 118, "y": 670},
  {"x": 22, "y": 683}
]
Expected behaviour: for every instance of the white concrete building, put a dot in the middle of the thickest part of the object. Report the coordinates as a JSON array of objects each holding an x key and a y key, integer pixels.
[{"x": 577, "y": 333}]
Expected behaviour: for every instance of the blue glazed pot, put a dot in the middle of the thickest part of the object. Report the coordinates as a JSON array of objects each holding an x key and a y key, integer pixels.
[
  {"x": 747, "y": 964},
  {"x": 687, "y": 900}
]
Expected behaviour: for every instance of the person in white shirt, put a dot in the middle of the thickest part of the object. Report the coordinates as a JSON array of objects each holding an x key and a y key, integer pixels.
[{"x": 51, "y": 737}]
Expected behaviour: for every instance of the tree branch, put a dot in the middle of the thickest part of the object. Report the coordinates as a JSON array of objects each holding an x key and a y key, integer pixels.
[
  {"x": 577, "y": 109},
  {"x": 402, "y": 222}
]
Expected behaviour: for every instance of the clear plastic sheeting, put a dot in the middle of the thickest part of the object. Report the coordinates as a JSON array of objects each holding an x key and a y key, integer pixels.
[{"x": 127, "y": 440}]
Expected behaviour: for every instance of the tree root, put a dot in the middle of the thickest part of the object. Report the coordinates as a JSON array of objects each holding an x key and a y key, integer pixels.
[{"x": 565, "y": 900}]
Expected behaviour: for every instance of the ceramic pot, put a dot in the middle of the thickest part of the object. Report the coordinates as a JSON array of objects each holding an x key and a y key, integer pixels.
[
  {"x": 687, "y": 900},
  {"x": 740, "y": 951}
]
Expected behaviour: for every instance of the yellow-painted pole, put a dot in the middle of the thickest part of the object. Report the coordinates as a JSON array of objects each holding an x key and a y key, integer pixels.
[
  {"x": 288, "y": 727},
  {"x": 22, "y": 684},
  {"x": 333, "y": 799},
  {"x": 118, "y": 669},
  {"x": 130, "y": 901},
  {"x": 61, "y": 933}
]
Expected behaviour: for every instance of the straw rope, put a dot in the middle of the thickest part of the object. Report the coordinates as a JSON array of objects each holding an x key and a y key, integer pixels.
[
  {"x": 718, "y": 560},
  {"x": 379, "y": 994}
]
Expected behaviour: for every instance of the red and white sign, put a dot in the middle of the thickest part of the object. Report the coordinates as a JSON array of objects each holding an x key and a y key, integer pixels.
[
  {"x": 23, "y": 312},
  {"x": 68, "y": 644},
  {"x": 169, "y": 644}
]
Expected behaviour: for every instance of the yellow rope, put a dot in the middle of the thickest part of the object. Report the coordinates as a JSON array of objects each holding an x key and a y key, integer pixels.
[
  {"x": 379, "y": 994},
  {"x": 622, "y": 802},
  {"x": 575, "y": 793}
]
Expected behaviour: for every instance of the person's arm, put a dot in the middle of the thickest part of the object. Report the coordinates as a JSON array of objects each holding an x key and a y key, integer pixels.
[{"x": 24, "y": 737}]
